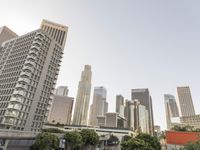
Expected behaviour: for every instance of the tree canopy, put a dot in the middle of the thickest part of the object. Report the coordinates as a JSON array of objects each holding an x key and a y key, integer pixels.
[
  {"x": 73, "y": 140},
  {"x": 89, "y": 137},
  {"x": 46, "y": 141},
  {"x": 141, "y": 141}
]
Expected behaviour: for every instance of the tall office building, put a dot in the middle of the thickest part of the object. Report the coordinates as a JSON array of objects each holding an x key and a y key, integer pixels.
[
  {"x": 171, "y": 109},
  {"x": 61, "y": 110},
  {"x": 6, "y": 34},
  {"x": 143, "y": 96},
  {"x": 136, "y": 116},
  {"x": 184, "y": 101},
  {"x": 83, "y": 97},
  {"x": 29, "y": 66},
  {"x": 62, "y": 91},
  {"x": 99, "y": 105},
  {"x": 120, "y": 105}
]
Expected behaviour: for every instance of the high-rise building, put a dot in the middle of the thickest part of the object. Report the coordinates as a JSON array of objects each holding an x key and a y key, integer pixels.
[
  {"x": 29, "y": 66},
  {"x": 83, "y": 97},
  {"x": 61, "y": 110},
  {"x": 62, "y": 91},
  {"x": 184, "y": 101},
  {"x": 143, "y": 96},
  {"x": 99, "y": 106},
  {"x": 6, "y": 34},
  {"x": 120, "y": 105},
  {"x": 171, "y": 108}
]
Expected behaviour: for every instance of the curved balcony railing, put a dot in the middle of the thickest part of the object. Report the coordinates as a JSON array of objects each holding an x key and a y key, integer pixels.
[
  {"x": 11, "y": 114},
  {"x": 28, "y": 68},
  {"x": 14, "y": 106},
  {"x": 39, "y": 35},
  {"x": 28, "y": 74},
  {"x": 9, "y": 121},
  {"x": 30, "y": 63},
  {"x": 24, "y": 80},
  {"x": 17, "y": 99},
  {"x": 19, "y": 92},
  {"x": 30, "y": 57}
]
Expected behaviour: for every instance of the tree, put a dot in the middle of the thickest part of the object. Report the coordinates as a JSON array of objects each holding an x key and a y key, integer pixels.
[
  {"x": 73, "y": 140},
  {"x": 150, "y": 140},
  {"x": 90, "y": 138},
  {"x": 135, "y": 144},
  {"x": 126, "y": 138},
  {"x": 52, "y": 130},
  {"x": 192, "y": 146},
  {"x": 141, "y": 141},
  {"x": 46, "y": 141}
]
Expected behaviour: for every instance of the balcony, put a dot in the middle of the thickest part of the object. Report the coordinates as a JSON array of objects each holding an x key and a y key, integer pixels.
[
  {"x": 28, "y": 68},
  {"x": 8, "y": 121},
  {"x": 30, "y": 63},
  {"x": 31, "y": 58},
  {"x": 24, "y": 80},
  {"x": 17, "y": 99},
  {"x": 11, "y": 114},
  {"x": 33, "y": 52},
  {"x": 19, "y": 92},
  {"x": 36, "y": 43},
  {"x": 51, "y": 97},
  {"x": 14, "y": 106},
  {"x": 27, "y": 74},
  {"x": 39, "y": 35},
  {"x": 35, "y": 48},
  {"x": 22, "y": 86}
]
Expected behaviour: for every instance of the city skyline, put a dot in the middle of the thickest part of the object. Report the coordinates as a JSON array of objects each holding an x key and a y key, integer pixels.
[{"x": 129, "y": 45}]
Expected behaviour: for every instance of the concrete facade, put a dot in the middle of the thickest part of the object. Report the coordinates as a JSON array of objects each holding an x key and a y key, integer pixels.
[
  {"x": 99, "y": 106},
  {"x": 171, "y": 109},
  {"x": 6, "y": 34},
  {"x": 61, "y": 111},
  {"x": 144, "y": 97},
  {"x": 184, "y": 101},
  {"x": 29, "y": 66},
  {"x": 83, "y": 97}
]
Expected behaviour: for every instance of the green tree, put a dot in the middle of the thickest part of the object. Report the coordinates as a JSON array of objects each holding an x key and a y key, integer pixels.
[
  {"x": 73, "y": 140},
  {"x": 52, "y": 130},
  {"x": 135, "y": 144},
  {"x": 126, "y": 138},
  {"x": 192, "y": 146},
  {"x": 46, "y": 141},
  {"x": 90, "y": 138},
  {"x": 150, "y": 140}
]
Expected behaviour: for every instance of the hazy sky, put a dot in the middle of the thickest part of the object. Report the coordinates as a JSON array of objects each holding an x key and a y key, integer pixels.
[{"x": 151, "y": 44}]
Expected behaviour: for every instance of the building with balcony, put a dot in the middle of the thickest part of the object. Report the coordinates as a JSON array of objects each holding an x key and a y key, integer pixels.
[{"x": 29, "y": 66}]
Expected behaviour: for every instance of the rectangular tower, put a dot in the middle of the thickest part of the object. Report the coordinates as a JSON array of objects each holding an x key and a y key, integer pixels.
[
  {"x": 184, "y": 101},
  {"x": 171, "y": 108},
  {"x": 143, "y": 96},
  {"x": 29, "y": 66},
  {"x": 99, "y": 106}
]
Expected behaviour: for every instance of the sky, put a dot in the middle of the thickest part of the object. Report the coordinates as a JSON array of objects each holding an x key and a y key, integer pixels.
[{"x": 129, "y": 44}]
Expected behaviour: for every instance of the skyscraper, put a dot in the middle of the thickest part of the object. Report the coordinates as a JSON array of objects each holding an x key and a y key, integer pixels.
[
  {"x": 143, "y": 96},
  {"x": 99, "y": 106},
  {"x": 171, "y": 108},
  {"x": 120, "y": 105},
  {"x": 184, "y": 101},
  {"x": 6, "y": 34},
  {"x": 83, "y": 97},
  {"x": 62, "y": 91},
  {"x": 61, "y": 111},
  {"x": 29, "y": 66}
]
